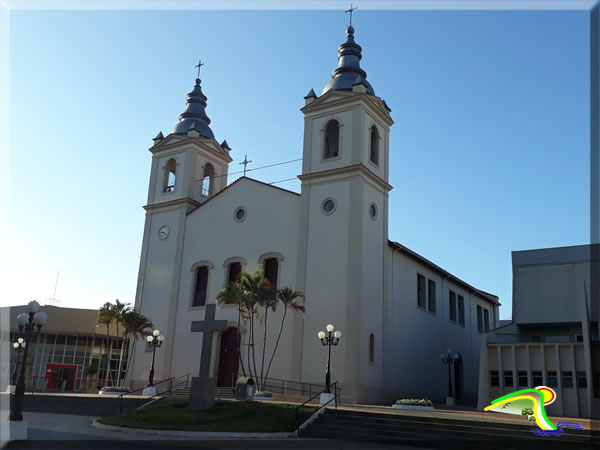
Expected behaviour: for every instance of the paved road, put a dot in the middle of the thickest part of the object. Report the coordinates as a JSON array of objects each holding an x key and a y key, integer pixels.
[
  {"x": 253, "y": 444},
  {"x": 63, "y": 431}
]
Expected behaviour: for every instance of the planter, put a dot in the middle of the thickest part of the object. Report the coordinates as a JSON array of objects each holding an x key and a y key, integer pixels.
[
  {"x": 413, "y": 407},
  {"x": 262, "y": 396}
]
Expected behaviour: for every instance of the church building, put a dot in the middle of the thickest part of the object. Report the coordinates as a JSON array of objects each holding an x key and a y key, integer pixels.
[{"x": 396, "y": 309}]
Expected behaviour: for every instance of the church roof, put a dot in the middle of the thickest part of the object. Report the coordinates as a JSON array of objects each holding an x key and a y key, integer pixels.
[
  {"x": 194, "y": 117},
  {"x": 236, "y": 181},
  {"x": 415, "y": 256},
  {"x": 348, "y": 71}
]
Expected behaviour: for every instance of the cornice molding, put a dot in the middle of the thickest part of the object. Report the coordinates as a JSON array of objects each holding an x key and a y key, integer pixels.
[
  {"x": 176, "y": 202},
  {"x": 360, "y": 168}
]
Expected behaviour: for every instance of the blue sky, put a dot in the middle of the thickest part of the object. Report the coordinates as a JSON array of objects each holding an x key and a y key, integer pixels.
[{"x": 489, "y": 152}]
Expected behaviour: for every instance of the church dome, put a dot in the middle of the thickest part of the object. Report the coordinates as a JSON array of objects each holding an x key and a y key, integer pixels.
[
  {"x": 348, "y": 72},
  {"x": 194, "y": 117}
]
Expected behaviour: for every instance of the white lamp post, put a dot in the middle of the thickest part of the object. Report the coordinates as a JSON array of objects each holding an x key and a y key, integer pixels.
[
  {"x": 30, "y": 325},
  {"x": 155, "y": 340}
]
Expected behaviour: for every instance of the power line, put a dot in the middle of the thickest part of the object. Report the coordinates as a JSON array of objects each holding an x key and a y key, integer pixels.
[
  {"x": 256, "y": 168},
  {"x": 281, "y": 181}
]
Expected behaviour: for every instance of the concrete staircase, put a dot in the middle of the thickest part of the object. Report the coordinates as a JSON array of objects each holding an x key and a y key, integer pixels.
[
  {"x": 220, "y": 392},
  {"x": 432, "y": 432}
]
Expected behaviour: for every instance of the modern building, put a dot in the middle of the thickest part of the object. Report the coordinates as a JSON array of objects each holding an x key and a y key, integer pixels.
[
  {"x": 397, "y": 310},
  {"x": 553, "y": 338},
  {"x": 69, "y": 342}
]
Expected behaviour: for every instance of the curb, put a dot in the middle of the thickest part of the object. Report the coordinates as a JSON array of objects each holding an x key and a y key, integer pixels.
[{"x": 197, "y": 434}]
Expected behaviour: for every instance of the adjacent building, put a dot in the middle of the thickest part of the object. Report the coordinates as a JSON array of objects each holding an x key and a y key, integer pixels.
[
  {"x": 69, "y": 342},
  {"x": 553, "y": 337}
]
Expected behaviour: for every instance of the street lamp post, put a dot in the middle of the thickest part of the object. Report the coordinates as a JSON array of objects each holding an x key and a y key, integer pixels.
[
  {"x": 155, "y": 340},
  {"x": 28, "y": 322},
  {"x": 18, "y": 346},
  {"x": 449, "y": 358},
  {"x": 329, "y": 339}
]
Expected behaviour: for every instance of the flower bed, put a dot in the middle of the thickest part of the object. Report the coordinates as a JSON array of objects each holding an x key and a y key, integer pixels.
[
  {"x": 113, "y": 390},
  {"x": 414, "y": 404}
]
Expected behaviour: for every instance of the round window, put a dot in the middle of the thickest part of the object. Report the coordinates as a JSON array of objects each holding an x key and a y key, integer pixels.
[
  {"x": 240, "y": 214},
  {"x": 328, "y": 206},
  {"x": 373, "y": 211}
]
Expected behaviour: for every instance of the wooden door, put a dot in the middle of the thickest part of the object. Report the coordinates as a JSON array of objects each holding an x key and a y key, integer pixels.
[{"x": 228, "y": 359}]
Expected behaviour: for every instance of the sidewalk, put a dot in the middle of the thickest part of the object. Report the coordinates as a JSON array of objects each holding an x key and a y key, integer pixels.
[{"x": 470, "y": 415}]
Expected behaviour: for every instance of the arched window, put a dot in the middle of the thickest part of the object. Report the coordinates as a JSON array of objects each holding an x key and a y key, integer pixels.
[
  {"x": 374, "y": 153},
  {"x": 201, "y": 286},
  {"x": 271, "y": 269},
  {"x": 332, "y": 139},
  {"x": 208, "y": 180},
  {"x": 371, "y": 348},
  {"x": 170, "y": 175}
]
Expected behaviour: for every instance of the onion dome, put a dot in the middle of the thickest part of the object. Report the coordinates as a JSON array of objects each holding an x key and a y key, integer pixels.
[
  {"x": 348, "y": 70},
  {"x": 194, "y": 117}
]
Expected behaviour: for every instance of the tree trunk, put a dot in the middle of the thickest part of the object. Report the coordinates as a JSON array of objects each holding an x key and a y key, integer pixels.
[
  {"x": 107, "y": 355},
  {"x": 253, "y": 351},
  {"x": 239, "y": 340},
  {"x": 262, "y": 366},
  {"x": 276, "y": 342},
  {"x": 120, "y": 358}
]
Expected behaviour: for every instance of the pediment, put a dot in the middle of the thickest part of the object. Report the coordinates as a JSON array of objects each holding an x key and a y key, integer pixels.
[
  {"x": 332, "y": 98},
  {"x": 169, "y": 141}
]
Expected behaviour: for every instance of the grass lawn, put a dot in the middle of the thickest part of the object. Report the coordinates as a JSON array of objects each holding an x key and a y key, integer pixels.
[{"x": 237, "y": 416}]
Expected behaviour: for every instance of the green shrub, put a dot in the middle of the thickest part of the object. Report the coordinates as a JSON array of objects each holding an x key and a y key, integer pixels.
[{"x": 414, "y": 402}]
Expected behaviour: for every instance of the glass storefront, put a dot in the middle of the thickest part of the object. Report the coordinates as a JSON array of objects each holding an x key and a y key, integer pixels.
[{"x": 56, "y": 362}]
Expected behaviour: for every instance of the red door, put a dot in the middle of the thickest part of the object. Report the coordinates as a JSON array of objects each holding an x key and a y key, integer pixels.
[
  {"x": 229, "y": 358},
  {"x": 60, "y": 377}
]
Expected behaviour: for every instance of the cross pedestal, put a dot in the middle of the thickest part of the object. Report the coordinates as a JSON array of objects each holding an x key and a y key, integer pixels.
[{"x": 202, "y": 393}]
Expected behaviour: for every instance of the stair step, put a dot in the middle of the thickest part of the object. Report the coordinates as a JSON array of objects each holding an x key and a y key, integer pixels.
[{"x": 449, "y": 433}]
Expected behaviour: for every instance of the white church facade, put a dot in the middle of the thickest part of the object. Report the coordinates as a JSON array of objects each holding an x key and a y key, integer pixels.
[{"x": 397, "y": 310}]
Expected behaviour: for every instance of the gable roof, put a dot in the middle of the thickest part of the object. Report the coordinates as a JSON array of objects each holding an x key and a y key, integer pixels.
[
  {"x": 240, "y": 178},
  {"x": 420, "y": 259}
]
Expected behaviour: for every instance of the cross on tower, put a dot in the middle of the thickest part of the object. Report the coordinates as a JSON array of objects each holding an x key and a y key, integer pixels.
[
  {"x": 200, "y": 63},
  {"x": 208, "y": 326},
  {"x": 245, "y": 162},
  {"x": 350, "y": 11}
]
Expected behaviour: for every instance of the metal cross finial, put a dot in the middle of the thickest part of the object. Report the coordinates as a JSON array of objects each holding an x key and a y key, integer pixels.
[
  {"x": 350, "y": 11},
  {"x": 200, "y": 64},
  {"x": 245, "y": 162}
]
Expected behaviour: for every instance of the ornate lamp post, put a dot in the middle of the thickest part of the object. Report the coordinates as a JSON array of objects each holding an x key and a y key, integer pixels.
[
  {"x": 18, "y": 346},
  {"x": 449, "y": 358},
  {"x": 28, "y": 322},
  {"x": 329, "y": 339},
  {"x": 154, "y": 340}
]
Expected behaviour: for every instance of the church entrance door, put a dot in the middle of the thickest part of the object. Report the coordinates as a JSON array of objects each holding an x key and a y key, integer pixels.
[{"x": 228, "y": 358}]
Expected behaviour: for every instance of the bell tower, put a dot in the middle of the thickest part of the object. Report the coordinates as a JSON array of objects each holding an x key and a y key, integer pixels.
[
  {"x": 188, "y": 167},
  {"x": 344, "y": 216}
]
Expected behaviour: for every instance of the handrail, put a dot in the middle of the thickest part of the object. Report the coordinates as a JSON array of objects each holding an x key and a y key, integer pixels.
[
  {"x": 335, "y": 397},
  {"x": 285, "y": 384},
  {"x": 141, "y": 389}
]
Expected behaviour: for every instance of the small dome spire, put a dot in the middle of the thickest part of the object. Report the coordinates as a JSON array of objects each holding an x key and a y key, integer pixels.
[
  {"x": 349, "y": 56},
  {"x": 194, "y": 117}
]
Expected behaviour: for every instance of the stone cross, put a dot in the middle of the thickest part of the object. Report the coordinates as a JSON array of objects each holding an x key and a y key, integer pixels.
[
  {"x": 245, "y": 162},
  {"x": 207, "y": 327}
]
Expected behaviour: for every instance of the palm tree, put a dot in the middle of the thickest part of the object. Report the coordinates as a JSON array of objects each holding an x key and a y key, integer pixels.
[
  {"x": 118, "y": 310},
  {"x": 259, "y": 293},
  {"x": 105, "y": 317},
  {"x": 234, "y": 294},
  {"x": 134, "y": 325},
  {"x": 288, "y": 297}
]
